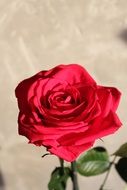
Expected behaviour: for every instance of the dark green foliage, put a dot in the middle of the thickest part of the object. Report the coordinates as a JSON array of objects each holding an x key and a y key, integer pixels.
[{"x": 59, "y": 179}]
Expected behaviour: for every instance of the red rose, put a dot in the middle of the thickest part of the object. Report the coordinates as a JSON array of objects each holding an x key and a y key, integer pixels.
[{"x": 65, "y": 110}]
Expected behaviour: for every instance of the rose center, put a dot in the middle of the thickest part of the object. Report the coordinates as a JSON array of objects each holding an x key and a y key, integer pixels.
[
  {"x": 63, "y": 98},
  {"x": 60, "y": 99}
]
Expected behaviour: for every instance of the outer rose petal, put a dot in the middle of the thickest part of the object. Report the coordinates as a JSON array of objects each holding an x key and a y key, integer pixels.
[
  {"x": 70, "y": 153},
  {"x": 21, "y": 93},
  {"x": 100, "y": 128},
  {"x": 35, "y": 132},
  {"x": 72, "y": 73},
  {"x": 109, "y": 98},
  {"x": 103, "y": 126}
]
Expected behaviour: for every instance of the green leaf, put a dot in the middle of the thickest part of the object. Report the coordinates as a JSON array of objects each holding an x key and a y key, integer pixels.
[
  {"x": 59, "y": 179},
  {"x": 122, "y": 151},
  {"x": 93, "y": 162},
  {"x": 121, "y": 168}
]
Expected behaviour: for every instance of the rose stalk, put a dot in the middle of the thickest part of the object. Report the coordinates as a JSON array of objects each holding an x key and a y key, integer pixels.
[
  {"x": 74, "y": 176},
  {"x": 64, "y": 110}
]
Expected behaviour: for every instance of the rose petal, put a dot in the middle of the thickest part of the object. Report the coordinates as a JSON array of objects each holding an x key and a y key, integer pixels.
[
  {"x": 99, "y": 128},
  {"x": 109, "y": 98},
  {"x": 72, "y": 73},
  {"x": 48, "y": 132},
  {"x": 69, "y": 153},
  {"x": 21, "y": 93}
]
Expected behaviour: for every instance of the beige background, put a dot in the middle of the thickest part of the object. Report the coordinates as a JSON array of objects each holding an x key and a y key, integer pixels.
[{"x": 37, "y": 35}]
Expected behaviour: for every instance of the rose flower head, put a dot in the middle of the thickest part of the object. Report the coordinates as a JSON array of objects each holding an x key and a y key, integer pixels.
[{"x": 65, "y": 110}]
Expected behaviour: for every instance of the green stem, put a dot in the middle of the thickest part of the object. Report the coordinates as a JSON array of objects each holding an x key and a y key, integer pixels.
[
  {"x": 106, "y": 177},
  {"x": 62, "y": 165},
  {"x": 74, "y": 176}
]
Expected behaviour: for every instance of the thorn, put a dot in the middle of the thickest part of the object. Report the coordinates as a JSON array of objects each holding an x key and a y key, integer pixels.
[
  {"x": 45, "y": 155},
  {"x": 102, "y": 140}
]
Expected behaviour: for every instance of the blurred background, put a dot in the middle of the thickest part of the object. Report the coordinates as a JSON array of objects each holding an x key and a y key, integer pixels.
[{"x": 40, "y": 34}]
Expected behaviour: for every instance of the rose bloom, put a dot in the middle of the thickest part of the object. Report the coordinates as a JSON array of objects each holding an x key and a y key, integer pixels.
[{"x": 65, "y": 110}]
